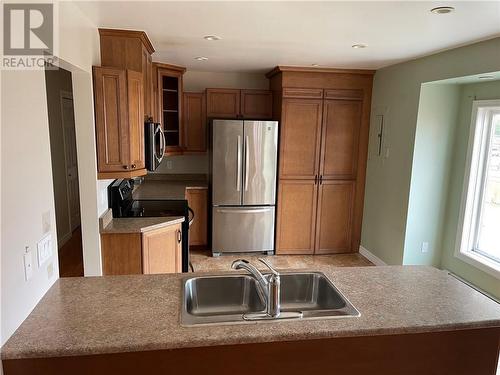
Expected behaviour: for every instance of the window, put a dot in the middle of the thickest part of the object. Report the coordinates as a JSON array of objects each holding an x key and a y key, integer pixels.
[{"x": 479, "y": 237}]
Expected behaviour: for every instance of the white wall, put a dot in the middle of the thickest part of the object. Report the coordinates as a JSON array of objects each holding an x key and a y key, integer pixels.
[
  {"x": 24, "y": 119},
  {"x": 26, "y": 164},
  {"x": 199, "y": 81}
]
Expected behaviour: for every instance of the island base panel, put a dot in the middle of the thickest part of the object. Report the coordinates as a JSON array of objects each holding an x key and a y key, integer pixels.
[{"x": 455, "y": 352}]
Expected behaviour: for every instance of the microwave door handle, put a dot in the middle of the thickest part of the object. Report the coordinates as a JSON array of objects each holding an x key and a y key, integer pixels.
[{"x": 162, "y": 144}]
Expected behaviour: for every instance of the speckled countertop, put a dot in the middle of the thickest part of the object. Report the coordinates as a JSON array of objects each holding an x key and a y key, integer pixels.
[
  {"x": 140, "y": 224},
  {"x": 108, "y": 224},
  {"x": 167, "y": 187},
  {"x": 80, "y": 316}
]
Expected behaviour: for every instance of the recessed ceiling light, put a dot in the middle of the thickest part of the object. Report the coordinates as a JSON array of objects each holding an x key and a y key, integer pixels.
[
  {"x": 315, "y": 65},
  {"x": 201, "y": 58},
  {"x": 486, "y": 77},
  {"x": 442, "y": 10},
  {"x": 359, "y": 46},
  {"x": 212, "y": 37}
]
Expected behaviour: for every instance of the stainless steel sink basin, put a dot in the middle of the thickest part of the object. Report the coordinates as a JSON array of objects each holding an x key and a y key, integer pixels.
[{"x": 222, "y": 299}]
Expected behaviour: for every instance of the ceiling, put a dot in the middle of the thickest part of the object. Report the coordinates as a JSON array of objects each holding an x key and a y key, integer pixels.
[{"x": 257, "y": 36}]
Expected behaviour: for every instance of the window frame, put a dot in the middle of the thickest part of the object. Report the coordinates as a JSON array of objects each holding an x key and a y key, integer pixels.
[{"x": 474, "y": 186}]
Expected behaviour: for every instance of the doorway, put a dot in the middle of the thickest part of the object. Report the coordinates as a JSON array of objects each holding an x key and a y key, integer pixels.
[{"x": 64, "y": 170}]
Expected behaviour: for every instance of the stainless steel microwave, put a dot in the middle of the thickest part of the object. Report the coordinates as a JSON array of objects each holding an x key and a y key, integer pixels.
[{"x": 155, "y": 145}]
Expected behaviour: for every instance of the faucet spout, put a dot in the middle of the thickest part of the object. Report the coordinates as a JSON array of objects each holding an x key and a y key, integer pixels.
[{"x": 270, "y": 285}]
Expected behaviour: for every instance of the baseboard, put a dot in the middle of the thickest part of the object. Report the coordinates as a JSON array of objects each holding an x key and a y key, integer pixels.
[{"x": 371, "y": 257}]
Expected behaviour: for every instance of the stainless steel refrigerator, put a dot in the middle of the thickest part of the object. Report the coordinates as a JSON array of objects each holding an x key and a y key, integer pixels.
[{"x": 243, "y": 174}]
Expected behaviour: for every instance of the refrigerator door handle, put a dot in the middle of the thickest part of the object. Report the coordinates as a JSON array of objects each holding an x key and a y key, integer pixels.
[
  {"x": 238, "y": 167},
  {"x": 246, "y": 162},
  {"x": 250, "y": 211}
]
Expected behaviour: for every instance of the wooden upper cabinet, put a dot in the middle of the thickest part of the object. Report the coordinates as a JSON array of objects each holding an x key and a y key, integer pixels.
[
  {"x": 223, "y": 103},
  {"x": 194, "y": 122},
  {"x": 162, "y": 250},
  {"x": 300, "y": 138},
  {"x": 135, "y": 108},
  {"x": 235, "y": 103},
  {"x": 256, "y": 104},
  {"x": 119, "y": 123},
  {"x": 295, "y": 227},
  {"x": 169, "y": 98},
  {"x": 147, "y": 77},
  {"x": 130, "y": 49},
  {"x": 335, "y": 216},
  {"x": 340, "y": 138}
]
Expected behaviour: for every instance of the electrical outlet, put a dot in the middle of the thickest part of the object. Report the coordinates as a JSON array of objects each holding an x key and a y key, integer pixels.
[
  {"x": 28, "y": 264},
  {"x": 169, "y": 164},
  {"x": 44, "y": 249},
  {"x": 425, "y": 247}
]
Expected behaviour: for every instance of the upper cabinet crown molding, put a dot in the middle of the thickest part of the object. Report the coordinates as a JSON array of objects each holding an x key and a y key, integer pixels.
[
  {"x": 129, "y": 34},
  {"x": 172, "y": 67},
  {"x": 304, "y": 69}
]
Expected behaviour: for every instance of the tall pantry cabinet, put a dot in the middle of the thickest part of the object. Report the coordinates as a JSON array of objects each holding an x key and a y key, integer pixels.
[{"x": 324, "y": 123}]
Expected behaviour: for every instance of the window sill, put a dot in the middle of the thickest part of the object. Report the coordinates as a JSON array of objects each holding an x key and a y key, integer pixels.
[{"x": 481, "y": 262}]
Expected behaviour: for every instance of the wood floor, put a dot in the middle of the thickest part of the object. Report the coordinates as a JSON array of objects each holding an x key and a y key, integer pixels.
[
  {"x": 71, "y": 256},
  {"x": 203, "y": 261}
]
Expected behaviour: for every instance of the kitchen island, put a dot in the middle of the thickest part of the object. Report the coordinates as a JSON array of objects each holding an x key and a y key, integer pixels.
[{"x": 414, "y": 320}]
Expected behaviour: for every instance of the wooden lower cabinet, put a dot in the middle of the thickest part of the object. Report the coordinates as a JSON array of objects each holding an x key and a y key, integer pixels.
[
  {"x": 315, "y": 217},
  {"x": 197, "y": 201},
  {"x": 334, "y": 218},
  {"x": 155, "y": 251},
  {"x": 296, "y": 219}
]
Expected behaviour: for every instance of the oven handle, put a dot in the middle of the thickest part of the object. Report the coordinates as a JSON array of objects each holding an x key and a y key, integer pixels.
[{"x": 191, "y": 220}]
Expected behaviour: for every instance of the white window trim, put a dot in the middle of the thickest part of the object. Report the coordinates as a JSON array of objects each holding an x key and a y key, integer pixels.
[{"x": 470, "y": 192}]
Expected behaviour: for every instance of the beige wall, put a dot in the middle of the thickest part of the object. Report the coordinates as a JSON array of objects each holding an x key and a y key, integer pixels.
[{"x": 26, "y": 163}]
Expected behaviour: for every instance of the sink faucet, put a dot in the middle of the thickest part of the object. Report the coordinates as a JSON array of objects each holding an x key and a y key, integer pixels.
[{"x": 268, "y": 284}]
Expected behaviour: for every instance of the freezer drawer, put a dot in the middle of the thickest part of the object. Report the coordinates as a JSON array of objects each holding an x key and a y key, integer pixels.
[{"x": 242, "y": 229}]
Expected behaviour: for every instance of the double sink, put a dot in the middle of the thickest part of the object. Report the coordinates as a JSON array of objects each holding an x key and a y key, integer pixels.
[{"x": 230, "y": 298}]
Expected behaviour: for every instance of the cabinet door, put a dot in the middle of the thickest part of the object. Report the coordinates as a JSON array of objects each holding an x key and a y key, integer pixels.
[
  {"x": 194, "y": 122},
  {"x": 340, "y": 138},
  {"x": 110, "y": 90},
  {"x": 256, "y": 104},
  {"x": 147, "y": 78},
  {"x": 170, "y": 107},
  {"x": 197, "y": 201},
  {"x": 335, "y": 214},
  {"x": 121, "y": 253},
  {"x": 296, "y": 219},
  {"x": 161, "y": 250},
  {"x": 136, "y": 119},
  {"x": 300, "y": 138},
  {"x": 223, "y": 103}
]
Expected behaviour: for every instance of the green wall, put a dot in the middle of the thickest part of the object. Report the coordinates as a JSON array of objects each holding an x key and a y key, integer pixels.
[
  {"x": 469, "y": 92},
  {"x": 396, "y": 94},
  {"x": 436, "y": 124}
]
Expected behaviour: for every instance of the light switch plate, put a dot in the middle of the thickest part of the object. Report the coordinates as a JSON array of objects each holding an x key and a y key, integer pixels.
[
  {"x": 44, "y": 249},
  {"x": 425, "y": 247},
  {"x": 28, "y": 266}
]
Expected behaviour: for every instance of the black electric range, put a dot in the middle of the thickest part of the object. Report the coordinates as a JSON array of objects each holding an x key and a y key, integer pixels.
[{"x": 123, "y": 205}]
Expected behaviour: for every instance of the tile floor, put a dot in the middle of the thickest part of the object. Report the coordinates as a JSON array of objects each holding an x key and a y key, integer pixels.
[{"x": 202, "y": 261}]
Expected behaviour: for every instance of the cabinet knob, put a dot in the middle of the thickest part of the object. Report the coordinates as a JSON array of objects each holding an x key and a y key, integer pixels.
[
  {"x": 134, "y": 166},
  {"x": 125, "y": 167},
  {"x": 179, "y": 236}
]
